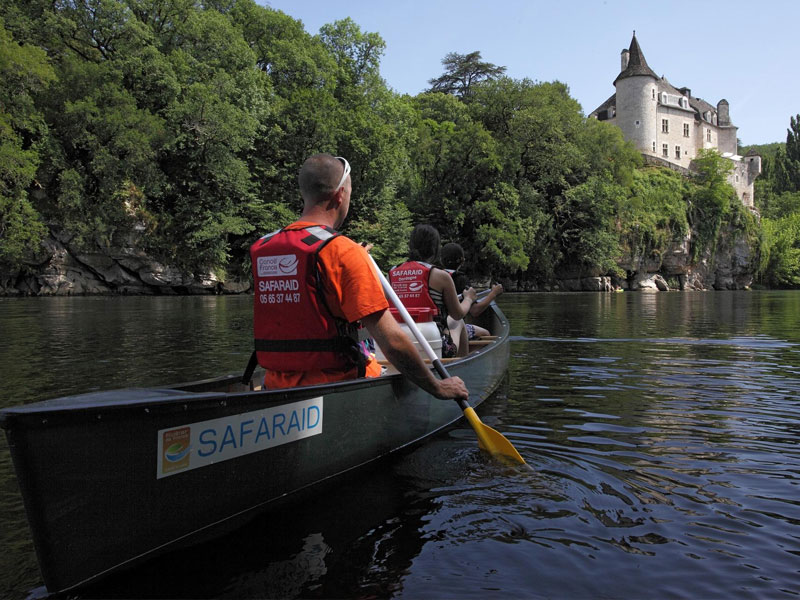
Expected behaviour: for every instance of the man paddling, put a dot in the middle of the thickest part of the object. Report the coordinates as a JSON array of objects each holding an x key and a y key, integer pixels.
[{"x": 314, "y": 286}]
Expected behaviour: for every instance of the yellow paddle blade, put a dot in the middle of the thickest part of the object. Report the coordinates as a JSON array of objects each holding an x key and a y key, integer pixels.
[{"x": 490, "y": 440}]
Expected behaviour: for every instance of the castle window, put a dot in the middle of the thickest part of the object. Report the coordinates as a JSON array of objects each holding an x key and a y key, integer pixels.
[
  {"x": 637, "y": 122},
  {"x": 654, "y": 147},
  {"x": 664, "y": 125},
  {"x": 665, "y": 150},
  {"x": 654, "y": 93},
  {"x": 678, "y": 152},
  {"x": 685, "y": 130},
  {"x": 708, "y": 135}
]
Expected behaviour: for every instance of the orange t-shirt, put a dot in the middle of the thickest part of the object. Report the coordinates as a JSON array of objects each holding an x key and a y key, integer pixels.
[{"x": 352, "y": 292}]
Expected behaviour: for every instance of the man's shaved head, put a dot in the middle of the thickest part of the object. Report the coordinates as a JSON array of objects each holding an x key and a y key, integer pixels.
[{"x": 319, "y": 176}]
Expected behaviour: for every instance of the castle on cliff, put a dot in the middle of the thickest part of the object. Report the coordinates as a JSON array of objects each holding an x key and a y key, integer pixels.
[{"x": 669, "y": 126}]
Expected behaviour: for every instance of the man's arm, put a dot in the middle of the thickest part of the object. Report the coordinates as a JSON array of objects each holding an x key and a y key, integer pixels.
[{"x": 400, "y": 351}]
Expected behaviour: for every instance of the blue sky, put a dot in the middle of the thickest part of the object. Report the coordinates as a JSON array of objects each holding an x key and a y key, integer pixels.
[{"x": 744, "y": 51}]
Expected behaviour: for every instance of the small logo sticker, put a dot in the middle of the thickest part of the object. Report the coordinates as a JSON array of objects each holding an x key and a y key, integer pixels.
[
  {"x": 288, "y": 265},
  {"x": 277, "y": 266},
  {"x": 176, "y": 448}
]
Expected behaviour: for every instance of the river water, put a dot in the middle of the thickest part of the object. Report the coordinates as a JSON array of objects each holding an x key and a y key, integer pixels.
[{"x": 663, "y": 431}]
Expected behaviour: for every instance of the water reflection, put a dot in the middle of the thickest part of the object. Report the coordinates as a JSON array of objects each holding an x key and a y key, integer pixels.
[
  {"x": 663, "y": 430},
  {"x": 678, "y": 446}
]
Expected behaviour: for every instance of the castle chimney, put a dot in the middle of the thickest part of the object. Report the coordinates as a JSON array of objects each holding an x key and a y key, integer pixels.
[
  {"x": 723, "y": 113},
  {"x": 625, "y": 56}
]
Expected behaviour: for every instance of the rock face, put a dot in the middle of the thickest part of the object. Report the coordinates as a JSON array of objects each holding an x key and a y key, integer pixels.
[
  {"x": 60, "y": 270},
  {"x": 731, "y": 266}
]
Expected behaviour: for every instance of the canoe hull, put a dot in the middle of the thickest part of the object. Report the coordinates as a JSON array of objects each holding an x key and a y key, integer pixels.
[{"x": 110, "y": 478}]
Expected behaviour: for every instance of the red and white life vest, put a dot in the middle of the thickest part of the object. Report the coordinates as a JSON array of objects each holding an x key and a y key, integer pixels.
[
  {"x": 294, "y": 329},
  {"x": 410, "y": 281}
]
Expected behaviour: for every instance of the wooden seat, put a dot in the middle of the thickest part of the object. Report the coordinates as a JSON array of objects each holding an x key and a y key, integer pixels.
[
  {"x": 386, "y": 363},
  {"x": 480, "y": 343}
]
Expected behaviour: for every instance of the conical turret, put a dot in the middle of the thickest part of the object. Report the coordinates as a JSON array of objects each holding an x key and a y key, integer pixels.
[
  {"x": 636, "y": 64},
  {"x": 637, "y": 100}
]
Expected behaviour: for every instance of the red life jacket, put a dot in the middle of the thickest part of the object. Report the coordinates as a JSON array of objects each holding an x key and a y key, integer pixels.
[
  {"x": 294, "y": 329},
  {"x": 410, "y": 281}
]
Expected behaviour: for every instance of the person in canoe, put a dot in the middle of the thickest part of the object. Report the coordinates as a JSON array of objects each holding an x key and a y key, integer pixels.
[
  {"x": 421, "y": 285},
  {"x": 453, "y": 260},
  {"x": 314, "y": 288}
]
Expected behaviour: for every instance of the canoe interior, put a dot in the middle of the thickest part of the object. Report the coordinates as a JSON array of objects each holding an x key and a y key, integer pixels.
[{"x": 88, "y": 465}]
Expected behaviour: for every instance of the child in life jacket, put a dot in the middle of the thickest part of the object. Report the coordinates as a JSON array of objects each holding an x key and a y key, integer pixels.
[
  {"x": 453, "y": 260},
  {"x": 419, "y": 284}
]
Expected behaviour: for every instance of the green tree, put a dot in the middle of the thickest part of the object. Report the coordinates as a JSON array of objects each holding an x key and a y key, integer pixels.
[
  {"x": 453, "y": 163},
  {"x": 373, "y": 130},
  {"x": 780, "y": 255},
  {"x": 653, "y": 215},
  {"x": 25, "y": 73},
  {"x": 356, "y": 53},
  {"x": 300, "y": 84},
  {"x": 584, "y": 219},
  {"x": 462, "y": 72},
  {"x": 214, "y": 122},
  {"x": 105, "y": 144},
  {"x": 496, "y": 224},
  {"x": 388, "y": 229},
  {"x": 710, "y": 200},
  {"x": 787, "y": 162}
]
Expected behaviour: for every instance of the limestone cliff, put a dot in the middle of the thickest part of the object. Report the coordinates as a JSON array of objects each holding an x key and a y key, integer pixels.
[
  {"x": 60, "y": 269},
  {"x": 730, "y": 266}
]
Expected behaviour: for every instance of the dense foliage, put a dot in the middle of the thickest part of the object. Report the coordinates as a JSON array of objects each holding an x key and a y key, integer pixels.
[
  {"x": 180, "y": 126},
  {"x": 777, "y": 196}
]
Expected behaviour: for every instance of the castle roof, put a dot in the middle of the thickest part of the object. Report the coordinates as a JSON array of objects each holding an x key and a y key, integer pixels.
[
  {"x": 701, "y": 105},
  {"x": 612, "y": 101},
  {"x": 637, "y": 65}
]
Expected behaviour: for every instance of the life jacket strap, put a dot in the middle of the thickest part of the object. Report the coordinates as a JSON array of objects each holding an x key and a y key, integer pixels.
[
  {"x": 250, "y": 368},
  {"x": 324, "y": 345}
]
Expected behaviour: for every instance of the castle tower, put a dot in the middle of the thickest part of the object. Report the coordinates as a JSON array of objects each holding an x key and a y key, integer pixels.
[
  {"x": 669, "y": 126},
  {"x": 726, "y": 134},
  {"x": 723, "y": 113},
  {"x": 637, "y": 92}
]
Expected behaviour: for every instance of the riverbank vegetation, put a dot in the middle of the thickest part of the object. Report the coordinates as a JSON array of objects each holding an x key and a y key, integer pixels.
[
  {"x": 186, "y": 121},
  {"x": 777, "y": 196}
]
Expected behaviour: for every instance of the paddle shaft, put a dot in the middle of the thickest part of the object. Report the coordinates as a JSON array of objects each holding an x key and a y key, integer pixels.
[
  {"x": 488, "y": 439},
  {"x": 408, "y": 320}
]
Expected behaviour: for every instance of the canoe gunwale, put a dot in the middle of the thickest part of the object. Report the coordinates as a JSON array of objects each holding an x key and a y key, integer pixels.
[{"x": 180, "y": 394}]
